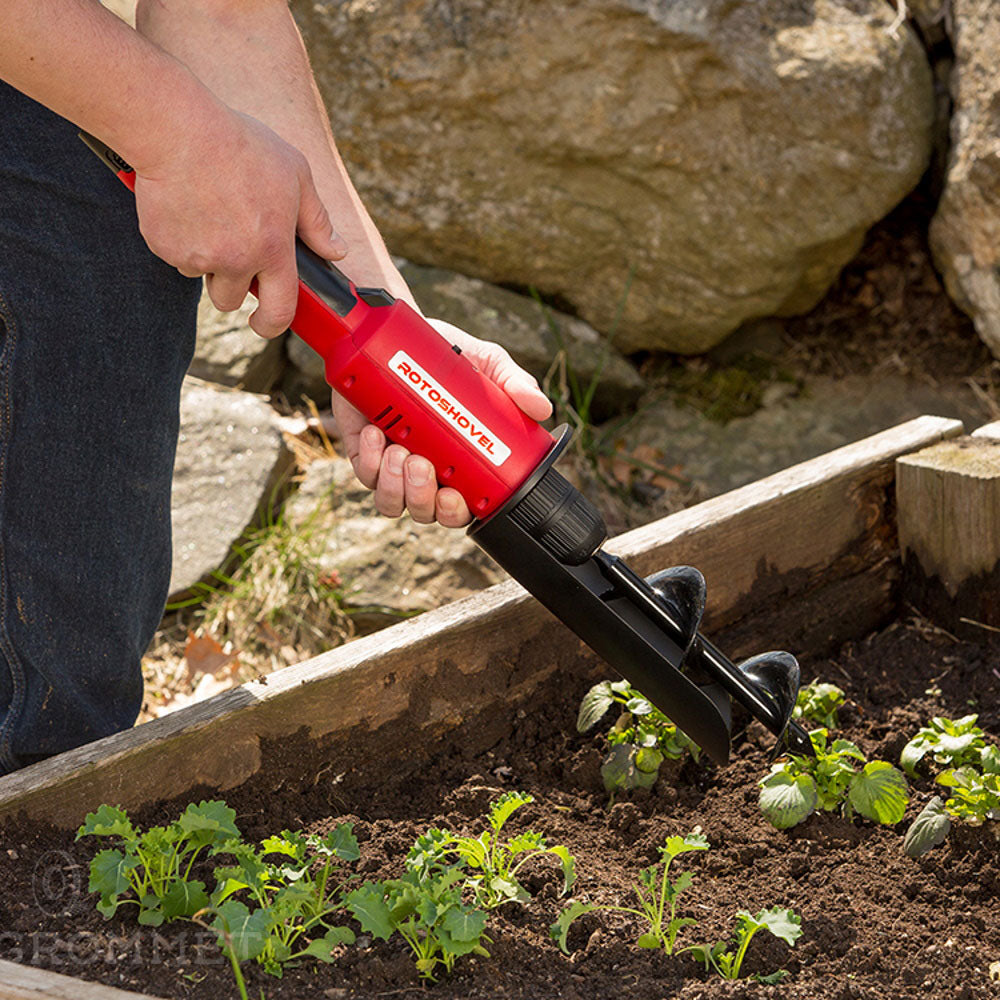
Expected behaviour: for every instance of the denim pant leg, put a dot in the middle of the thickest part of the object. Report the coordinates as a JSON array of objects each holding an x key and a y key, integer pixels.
[{"x": 95, "y": 336}]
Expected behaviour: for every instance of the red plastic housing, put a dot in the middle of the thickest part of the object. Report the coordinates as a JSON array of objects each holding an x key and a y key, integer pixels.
[{"x": 392, "y": 365}]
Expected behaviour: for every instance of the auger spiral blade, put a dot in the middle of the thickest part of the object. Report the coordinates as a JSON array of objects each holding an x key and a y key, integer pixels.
[
  {"x": 766, "y": 685},
  {"x": 682, "y": 591},
  {"x": 549, "y": 537}
]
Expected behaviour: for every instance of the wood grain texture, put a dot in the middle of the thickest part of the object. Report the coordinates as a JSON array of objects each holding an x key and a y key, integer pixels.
[
  {"x": 948, "y": 502},
  {"x": 765, "y": 546},
  {"x": 22, "y": 982}
]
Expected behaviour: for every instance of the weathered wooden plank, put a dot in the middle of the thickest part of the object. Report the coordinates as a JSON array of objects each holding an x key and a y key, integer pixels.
[
  {"x": 22, "y": 982},
  {"x": 948, "y": 504},
  {"x": 788, "y": 535}
]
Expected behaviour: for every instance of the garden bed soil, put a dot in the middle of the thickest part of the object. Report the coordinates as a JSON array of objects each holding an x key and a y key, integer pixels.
[{"x": 875, "y": 924}]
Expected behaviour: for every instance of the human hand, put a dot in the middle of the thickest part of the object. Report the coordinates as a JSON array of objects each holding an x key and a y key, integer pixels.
[
  {"x": 402, "y": 481},
  {"x": 227, "y": 205}
]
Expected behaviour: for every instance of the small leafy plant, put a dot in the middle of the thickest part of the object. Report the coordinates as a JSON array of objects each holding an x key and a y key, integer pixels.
[
  {"x": 974, "y": 799},
  {"x": 425, "y": 907},
  {"x": 151, "y": 869},
  {"x": 950, "y": 743},
  {"x": 726, "y": 957},
  {"x": 641, "y": 738},
  {"x": 657, "y": 896},
  {"x": 818, "y": 703},
  {"x": 798, "y": 786},
  {"x": 293, "y": 880},
  {"x": 496, "y": 861}
]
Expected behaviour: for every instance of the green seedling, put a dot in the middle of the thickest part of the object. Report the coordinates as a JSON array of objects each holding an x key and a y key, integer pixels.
[
  {"x": 974, "y": 796},
  {"x": 949, "y": 742},
  {"x": 818, "y": 703},
  {"x": 798, "y": 786},
  {"x": 151, "y": 869},
  {"x": 425, "y": 908},
  {"x": 726, "y": 957},
  {"x": 657, "y": 896},
  {"x": 641, "y": 738},
  {"x": 495, "y": 861},
  {"x": 293, "y": 879}
]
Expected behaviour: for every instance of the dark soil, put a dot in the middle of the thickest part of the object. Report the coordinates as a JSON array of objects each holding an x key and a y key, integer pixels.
[{"x": 876, "y": 924}]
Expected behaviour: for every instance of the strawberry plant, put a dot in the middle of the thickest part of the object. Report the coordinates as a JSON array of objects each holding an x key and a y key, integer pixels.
[
  {"x": 798, "y": 786},
  {"x": 293, "y": 880},
  {"x": 151, "y": 869},
  {"x": 425, "y": 907},
  {"x": 657, "y": 896},
  {"x": 949, "y": 742},
  {"x": 641, "y": 738},
  {"x": 498, "y": 862},
  {"x": 818, "y": 703},
  {"x": 726, "y": 957}
]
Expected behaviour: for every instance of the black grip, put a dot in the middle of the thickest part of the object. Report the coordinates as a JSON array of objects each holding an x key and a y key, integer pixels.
[{"x": 321, "y": 277}]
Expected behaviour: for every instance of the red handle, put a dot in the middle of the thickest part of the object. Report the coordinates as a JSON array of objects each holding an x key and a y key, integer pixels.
[{"x": 393, "y": 366}]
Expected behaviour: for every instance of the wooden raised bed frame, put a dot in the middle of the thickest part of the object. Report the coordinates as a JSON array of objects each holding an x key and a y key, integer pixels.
[{"x": 802, "y": 560}]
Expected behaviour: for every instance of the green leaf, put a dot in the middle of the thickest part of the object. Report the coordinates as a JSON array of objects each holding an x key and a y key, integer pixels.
[
  {"x": 781, "y": 922},
  {"x": 568, "y": 864},
  {"x": 184, "y": 899},
  {"x": 368, "y": 906},
  {"x": 247, "y": 930},
  {"x": 648, "y": 760},
  {"x": 619, "y": 771},
  {"x": 786, "y": 800},
  {"x": 673, "y": 846},
  {"x": 322, "y": 948},
  {"x": 209, "y": 822},
  {"x": 342, "y": 842},
  {"x": 464, "y": 924},
  {"x": 912, "y": 754},
  {"x": 595, "y": 704},
  {"x": 773, "y": 979},
  {"x": 928, "y": 830},
  {"x": 509, "y": 890},
  {"x": 108, "y": 821},
  {"x": 638, "y": 706},
  {"x": 649, "y": 940},
  {"x": 990, "y": 760},
  {"x": 880, "y": 792},
  {"x": 284, "y": 846},
  {"x": 560, "y": 929},
  {"x": 151, "y": 914},
  {"x": 109, "y": 873},
  {"x": 505, "y": 807}
]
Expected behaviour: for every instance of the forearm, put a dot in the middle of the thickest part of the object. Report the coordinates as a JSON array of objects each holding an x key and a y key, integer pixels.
[
  {"x": 250, "y": 54},
  {"x": 82, "y": 62}
]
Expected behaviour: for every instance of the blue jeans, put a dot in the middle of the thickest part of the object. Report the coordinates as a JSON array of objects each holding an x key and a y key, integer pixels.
[{"x": 95, "y": 336}]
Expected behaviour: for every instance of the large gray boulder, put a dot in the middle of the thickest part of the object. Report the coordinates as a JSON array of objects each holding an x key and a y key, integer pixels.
[
  {"x": 721, "y": 160},
  {"x": 227, "y": 351},
  {"x": 965, "y": 232},
  {"x": 230, "y": 458},
  {"x": 390, "y": 567}
]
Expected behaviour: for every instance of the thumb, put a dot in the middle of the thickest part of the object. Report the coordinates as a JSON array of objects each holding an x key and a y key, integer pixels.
[
  {"x": 314, "y": 225},
  {"x": 523, "y": 389}
]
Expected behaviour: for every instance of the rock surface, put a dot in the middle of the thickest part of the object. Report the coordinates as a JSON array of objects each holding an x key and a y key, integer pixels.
[
  {"x": 727, "y": 157},
  {"x": 229, "y": 457},
  {"x": 525, "y": 329},
  {"x": 791, "y": 428},
  {"x": 230, "y": 353},
  {"x": 391, "y": 567},
  {"x": 965, "y": 233}
]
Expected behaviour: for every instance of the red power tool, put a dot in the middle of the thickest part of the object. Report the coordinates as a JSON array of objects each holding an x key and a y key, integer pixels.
[{"x": 408, "y": 380}]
